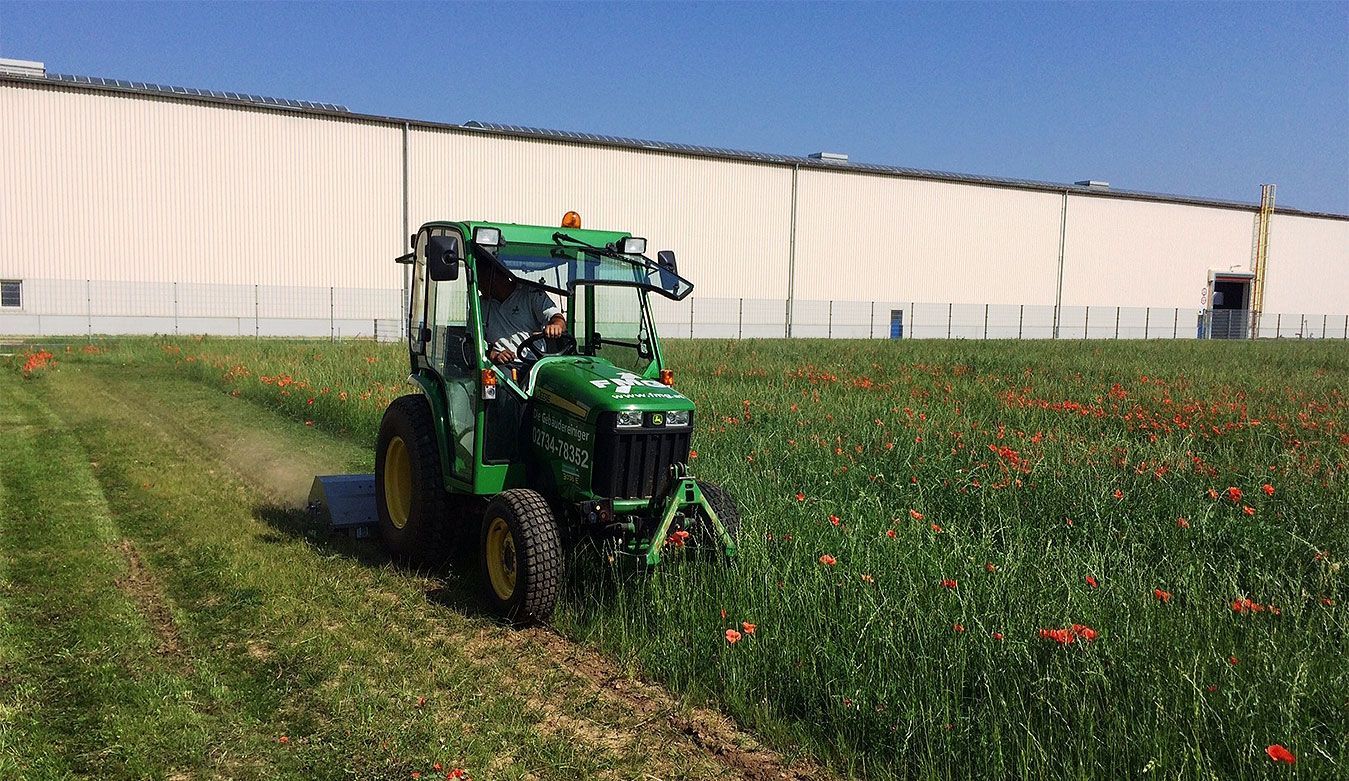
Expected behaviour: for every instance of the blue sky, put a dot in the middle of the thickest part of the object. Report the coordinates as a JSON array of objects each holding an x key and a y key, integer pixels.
[{"x": 1204, "y": 99}]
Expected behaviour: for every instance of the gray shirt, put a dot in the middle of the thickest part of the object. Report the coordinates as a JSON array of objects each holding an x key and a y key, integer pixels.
[{"x": 525, "y": 311}]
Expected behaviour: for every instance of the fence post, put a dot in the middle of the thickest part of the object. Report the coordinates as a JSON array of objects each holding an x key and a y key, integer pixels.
[
  {"x": 1278, "y": 324},
  {"x": 787, "y": 319},
  {"x": 1175, "y": 325},
  {"x": 913, "y": 325},
  {"x": 1324, "y": 320},
  {"x": 1116, "y": 322},
  {"x": 871, "y": 322},
  {"x": 740, "y": 323},
  {"x": 1086, "y": 321},
  {"x": 256, "y": 307},
  {"x": 1056, "y": 322},
  {"x": 1147, "y": 319},
  {"x": 332, "y": 316},
  {"x": 690, "y": 318},
  {"x": 950, "y": 308},
  {"x": 829, "y": 332},
  {"x": 985, "y": 321},
  {"x": 1020, "y": 320},
  {"x": 1346, "y": 326},
  {"x": 175, "y": 308},
  {"x": 89, "y": 306}
]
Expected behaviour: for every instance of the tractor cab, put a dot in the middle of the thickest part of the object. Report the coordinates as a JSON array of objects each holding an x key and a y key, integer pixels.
[{"x": 579, "y": 432}]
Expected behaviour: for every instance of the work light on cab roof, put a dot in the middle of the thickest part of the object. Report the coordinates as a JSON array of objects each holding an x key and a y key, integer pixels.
[{"x": 538, "y": 437}]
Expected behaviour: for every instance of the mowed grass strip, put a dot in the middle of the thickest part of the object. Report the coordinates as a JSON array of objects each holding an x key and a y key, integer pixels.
[
  {"x": 83, "y": 685},
  {"x": 292, "y": 657}
]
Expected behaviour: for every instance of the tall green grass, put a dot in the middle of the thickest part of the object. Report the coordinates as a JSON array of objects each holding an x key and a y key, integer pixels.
[{"x": 1033, "y": 466}]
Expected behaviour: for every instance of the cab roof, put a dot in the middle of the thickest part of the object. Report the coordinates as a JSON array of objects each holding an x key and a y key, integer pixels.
[{"x": 512, "y": 232}]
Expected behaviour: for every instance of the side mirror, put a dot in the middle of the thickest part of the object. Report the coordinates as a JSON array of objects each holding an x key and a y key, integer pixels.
[
  {"x": 669, "y": 267},
  {"x": 442, "y": 258}
]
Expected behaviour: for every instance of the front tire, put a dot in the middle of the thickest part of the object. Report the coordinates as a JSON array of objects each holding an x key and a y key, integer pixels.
[
  {"x": 728, "y": 512},
  {"x": 409, "y": 487},
  {"x": 521, "y": 553}
]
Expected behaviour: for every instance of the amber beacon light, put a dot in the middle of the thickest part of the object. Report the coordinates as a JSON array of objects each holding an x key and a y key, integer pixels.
[{"x": 571, "y": 220}]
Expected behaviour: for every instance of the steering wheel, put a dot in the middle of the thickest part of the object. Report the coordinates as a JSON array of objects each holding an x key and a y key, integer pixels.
[{"x": 539, "y": 344}]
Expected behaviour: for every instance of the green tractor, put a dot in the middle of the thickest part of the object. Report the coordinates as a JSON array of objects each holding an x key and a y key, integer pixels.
[{"x": 582, "y": 433}]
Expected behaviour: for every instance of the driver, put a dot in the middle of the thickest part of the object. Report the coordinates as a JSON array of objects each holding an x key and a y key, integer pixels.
[{"x": 511, "y": 312}]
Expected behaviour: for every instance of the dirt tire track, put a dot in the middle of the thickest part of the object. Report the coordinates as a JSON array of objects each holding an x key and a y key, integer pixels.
[
  {"x": 707, "y": 728},
  {"x": 141, "y": 587}
]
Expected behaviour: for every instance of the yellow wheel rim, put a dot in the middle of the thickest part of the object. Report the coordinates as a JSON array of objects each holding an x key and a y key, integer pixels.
[
  {"x": 397, "y": 482},
  {"x": 501, "y": 564}
]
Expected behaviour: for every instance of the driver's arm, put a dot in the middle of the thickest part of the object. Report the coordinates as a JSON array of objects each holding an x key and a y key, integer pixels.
[{"x": 548, "y": 316}]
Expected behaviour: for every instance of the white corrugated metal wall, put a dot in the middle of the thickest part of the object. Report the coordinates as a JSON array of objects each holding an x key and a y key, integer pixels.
[
  {"x": 727, "y": 221},
  {"x": 146, "y": 188},
  {"x": 121, "y": 187}
]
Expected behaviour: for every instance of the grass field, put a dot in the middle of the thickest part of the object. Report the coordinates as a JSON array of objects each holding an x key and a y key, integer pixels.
[{"x": 960, "y": 560}]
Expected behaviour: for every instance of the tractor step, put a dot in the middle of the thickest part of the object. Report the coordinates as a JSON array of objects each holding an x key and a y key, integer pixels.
[{"x": 346, "y": 503}]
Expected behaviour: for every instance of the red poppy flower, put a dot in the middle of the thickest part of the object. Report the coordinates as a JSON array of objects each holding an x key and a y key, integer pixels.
[
  {"x": 800, "y": 497},
  {"x": 416, "y": 774},
  {"x": 283, "y": 740},
  {"x": 678, "y": 538},
  {"x": 834, "y": 519},
  {"x": 866, "y": 578},
  {"x": 732, "y": 636},
  {"x": 1278, "y": 753},
  {"x": 1234, "y": 494},
  {"x": 997, "y": 635},
  {"x": 957, "y": 628},
  {"x": 1249, "y": 510},
  {"x": 1164, "y": 596},
  {"x": 1212, "y": 494},
  {"x": 890, "y": 533},
  {"x": 1084, "y": 632},
  {"x": 1092, "y": 582},
  {"x": 828, "y": 560},
  {"x": 1182, "y": 523},
  {"x": 948, "y": 583},
  {"x": 1118, "y": 494},
  {"x": 693, "y": 454},
  {"x": 437, "y": 767},
  {"x": 936, "y": 528},
  {"x": 990, "y": 567},
  {"x": 1232, "y": 660},
  {"x": 1327, "y": 601},
  {"x": 1268, "y": 489},
  {"x": 748, "y": 627},
  {"x": 914, "y": 514}
]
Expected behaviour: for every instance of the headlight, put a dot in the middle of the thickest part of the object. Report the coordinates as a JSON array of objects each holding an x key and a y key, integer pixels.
[
  {"x": 632, "y": 246},
  {"x": 629, "y": 419},
  {"x": 677, "y": 418}
]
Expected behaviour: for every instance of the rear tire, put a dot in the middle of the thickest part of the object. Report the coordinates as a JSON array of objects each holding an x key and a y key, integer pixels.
[
  {"x": 521, "y": 554},
  {"x": 409, "y": 486}
]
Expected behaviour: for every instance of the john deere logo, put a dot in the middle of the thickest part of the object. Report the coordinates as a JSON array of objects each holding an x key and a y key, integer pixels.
[{"x": 657, "y": 419}]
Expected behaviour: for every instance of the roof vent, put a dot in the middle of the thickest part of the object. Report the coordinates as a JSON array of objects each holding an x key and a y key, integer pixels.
[
  {"x": 22, "y": 67},
  {"x": 831, "y": 157},
  {"x": 1095, "y": 184}
]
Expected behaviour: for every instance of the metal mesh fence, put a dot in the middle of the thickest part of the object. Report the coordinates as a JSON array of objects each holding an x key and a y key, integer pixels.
[{"x": 73, "y": 307}]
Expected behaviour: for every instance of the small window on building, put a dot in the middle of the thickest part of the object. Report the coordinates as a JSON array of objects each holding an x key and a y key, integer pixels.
[{"x": 11, "y": 293}]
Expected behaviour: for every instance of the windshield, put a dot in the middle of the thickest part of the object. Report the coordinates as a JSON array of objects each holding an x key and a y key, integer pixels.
[{"x": 561, "y": 267}]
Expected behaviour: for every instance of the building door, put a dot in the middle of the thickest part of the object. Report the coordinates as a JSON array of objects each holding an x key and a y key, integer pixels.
[{"x": 1229, "y": 305}]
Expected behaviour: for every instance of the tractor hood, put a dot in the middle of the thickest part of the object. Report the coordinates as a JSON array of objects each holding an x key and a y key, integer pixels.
[{"x": 585, "y": 387}]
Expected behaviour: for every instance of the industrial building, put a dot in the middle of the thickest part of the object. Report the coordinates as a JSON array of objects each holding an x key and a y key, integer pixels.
[{"x": 132, "y": 207}]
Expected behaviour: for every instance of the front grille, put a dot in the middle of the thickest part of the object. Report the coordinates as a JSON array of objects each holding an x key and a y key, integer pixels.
[{"x": 635, "y": 463}]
